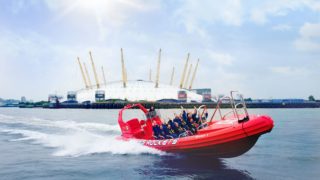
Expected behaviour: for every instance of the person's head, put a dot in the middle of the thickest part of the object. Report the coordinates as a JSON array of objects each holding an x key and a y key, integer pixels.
[
  {"x": 189, "y": 115},
  {"x": 161, "y": 126},
  {"x": 169, "y": 126},
  {"x": 151, "y": 108}
]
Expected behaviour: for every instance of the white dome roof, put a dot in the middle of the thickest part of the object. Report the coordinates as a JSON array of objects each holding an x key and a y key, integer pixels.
[{"x": 136, "y": 91}]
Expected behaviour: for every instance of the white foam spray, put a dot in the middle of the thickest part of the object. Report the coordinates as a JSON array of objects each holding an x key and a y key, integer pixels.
[{"x": 70, "y": 138}]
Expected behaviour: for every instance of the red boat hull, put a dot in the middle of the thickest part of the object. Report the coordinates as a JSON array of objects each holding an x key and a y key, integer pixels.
[{"x": 228, "y": 137}]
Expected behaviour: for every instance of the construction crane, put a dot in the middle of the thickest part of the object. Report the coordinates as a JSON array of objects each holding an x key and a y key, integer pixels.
[
  {"x": 87, "y": 73},
  {"x": 94, "y": 70},
  {"x": 194, "y": 75},
  {"x": 184, "y": 71},
  {"x": 103, "y": 75},
  {"x": 158, "y": 70},
  {"x": 187, "y": 79},
  {"x": 172, "y": 74},
  {"x": 124, "y": 73},
  {"x": 83, "y": 76}
]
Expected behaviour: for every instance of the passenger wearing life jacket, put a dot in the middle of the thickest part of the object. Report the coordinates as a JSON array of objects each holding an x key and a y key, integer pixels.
[
  {"x": 180, "y": 121},
  {"x": 169, "y": 132},
  {"x": 192, "y": 124},
  {"x": 178, "y": 129},
  {"x": 157, "y": 132},
  {"x": 194, "y": 115},
  {"x": 203, "y": 118},
  {"x": 177, "y": 119},
  {"x": 162, "y": 132}
]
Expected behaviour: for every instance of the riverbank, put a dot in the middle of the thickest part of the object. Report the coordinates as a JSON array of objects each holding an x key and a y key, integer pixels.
[{"x": 108, "y": 105}]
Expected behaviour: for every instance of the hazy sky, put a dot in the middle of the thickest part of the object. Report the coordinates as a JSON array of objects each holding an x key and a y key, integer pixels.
[{"x": 263, "y": 48}]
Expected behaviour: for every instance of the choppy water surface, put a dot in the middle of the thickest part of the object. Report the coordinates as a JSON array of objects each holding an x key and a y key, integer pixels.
[{"x": 82, "y": 144}]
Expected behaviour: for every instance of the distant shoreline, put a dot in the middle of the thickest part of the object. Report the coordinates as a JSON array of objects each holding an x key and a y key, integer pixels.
[{"x": 112, "y": 105}]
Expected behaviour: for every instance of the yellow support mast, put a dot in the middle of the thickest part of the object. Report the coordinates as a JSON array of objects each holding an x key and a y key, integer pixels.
[
  {"x": 158, "y": 70},
  {"x": 194, "y": 74},
  {"x": 87, "y": 73},
  {"x": 94, "y": 70},
  {"x": 184, "y": 71},
  {"x": 103, "y": 75},
  {"x": 82, "y": 73},
  {"x": 172, "y": 74},
  {"x": 187, "y": 79},
  {"x": 123, "y": 71}
]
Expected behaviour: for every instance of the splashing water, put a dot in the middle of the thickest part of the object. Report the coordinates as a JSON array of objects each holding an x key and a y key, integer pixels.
[{"x": 70, "y": 138}]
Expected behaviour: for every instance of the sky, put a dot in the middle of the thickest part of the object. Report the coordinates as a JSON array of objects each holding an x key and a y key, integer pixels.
[{"x": 265, "y": 49}]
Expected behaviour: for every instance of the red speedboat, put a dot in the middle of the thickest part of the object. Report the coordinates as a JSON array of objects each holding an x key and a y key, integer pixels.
[{"x": 230, "y": 135}]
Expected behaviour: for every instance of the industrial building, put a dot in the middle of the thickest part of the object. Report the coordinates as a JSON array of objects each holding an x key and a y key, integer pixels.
[{"x": 137, "y": 90}]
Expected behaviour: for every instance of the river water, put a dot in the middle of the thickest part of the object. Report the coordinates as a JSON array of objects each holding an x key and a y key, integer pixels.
[{"x": 81, "y": 144}]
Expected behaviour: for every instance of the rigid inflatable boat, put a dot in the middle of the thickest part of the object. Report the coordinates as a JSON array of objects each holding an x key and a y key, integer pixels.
[{"x": 230, "y": 135}]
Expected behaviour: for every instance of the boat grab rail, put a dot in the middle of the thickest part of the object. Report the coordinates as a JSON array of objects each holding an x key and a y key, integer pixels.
[{"x": 234, "y": 106}]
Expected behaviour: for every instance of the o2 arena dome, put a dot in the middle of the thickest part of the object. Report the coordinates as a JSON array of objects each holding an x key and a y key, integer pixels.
[
  {"x": 138, "y": 90},
  {"x": 135, "y": 90}
]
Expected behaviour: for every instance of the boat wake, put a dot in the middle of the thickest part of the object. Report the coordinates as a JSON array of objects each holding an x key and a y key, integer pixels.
[{"x": 70, "y": 138}]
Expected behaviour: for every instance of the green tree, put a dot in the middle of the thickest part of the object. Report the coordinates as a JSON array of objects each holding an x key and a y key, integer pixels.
[{"x": 311, "y": 98}]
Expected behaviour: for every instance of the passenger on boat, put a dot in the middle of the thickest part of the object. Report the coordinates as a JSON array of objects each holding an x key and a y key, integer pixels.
[
  {"x": 180, "y": 121},
  {"x": 187, "y": 117},
  {"x": 192, "y": 124},
  {"x": 157, "y": 131},
  {"x": 169, "y": 132},
  {"x": 206, "y": 114},
  {"x": 180, "y": 131},
  {"x": 151, "y": 113},
  {"x": 203, "y": 118},
  {"x": 162, "y": 132},
  {"x": 195, "y": 116}
]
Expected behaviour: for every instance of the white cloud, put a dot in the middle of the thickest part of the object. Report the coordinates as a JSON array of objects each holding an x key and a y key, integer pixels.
[
  {"x": 193, "y": 14},
  {"x": 221, "y": 58},
  {"x": 196, "y": 16},
  {"x": 260, "y": 13},
  {"x": 113, "y": 11},
  {"x": 110, "y": 14},
  {"x": 289, "y": 71},
  {"x": 309, "y": 39},
  {"x": 282, "y": 27}
]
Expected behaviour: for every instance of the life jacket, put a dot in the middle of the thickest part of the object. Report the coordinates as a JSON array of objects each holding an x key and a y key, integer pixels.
[
  {"x": 178, "y": 120},
  {"x": 156, "y": 130}
]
